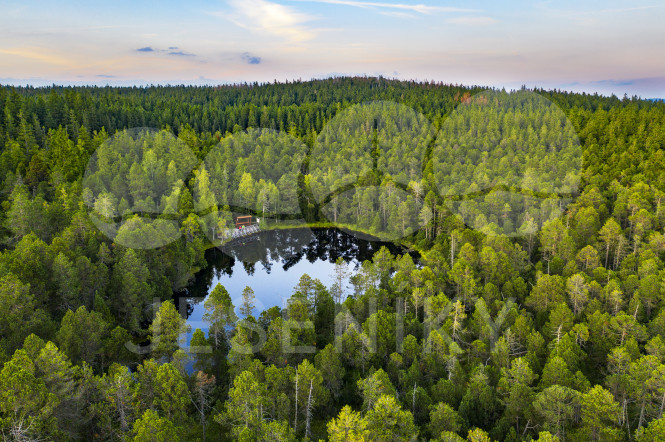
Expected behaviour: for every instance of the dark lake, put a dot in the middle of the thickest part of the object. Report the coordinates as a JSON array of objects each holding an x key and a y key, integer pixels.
[{"x": 271, "y": 263}]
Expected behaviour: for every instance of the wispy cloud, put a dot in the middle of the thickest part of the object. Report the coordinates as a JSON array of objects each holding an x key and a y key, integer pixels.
[
  {"x": 172, "y": 50},
  {"x": 38, "y": 54},
  {"x": 648, "y": 86},
  {"x": 180, "y": 53},
  {"x": 420, "y": 8},
  {"x": 472, "y": 21},
  {"x": 656, "y": 82},
  {"x": 250, "y": 59},
  {"x": 270, "y": 18},
  {"x": 613, "y": 82}
]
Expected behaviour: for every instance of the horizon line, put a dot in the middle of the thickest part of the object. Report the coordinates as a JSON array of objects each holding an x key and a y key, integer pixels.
[{"x": 211, "y": 84}]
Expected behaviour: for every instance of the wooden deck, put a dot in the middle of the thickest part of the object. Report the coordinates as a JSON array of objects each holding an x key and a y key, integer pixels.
[{"x": 239, "y": 233}]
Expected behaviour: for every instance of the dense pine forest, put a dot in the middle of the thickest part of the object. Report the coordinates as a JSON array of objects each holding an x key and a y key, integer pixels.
[{"x": 535, "y": 309}]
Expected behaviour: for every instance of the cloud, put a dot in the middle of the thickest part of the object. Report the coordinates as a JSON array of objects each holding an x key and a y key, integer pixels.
[
  {"x": 645, "y": 86},
  {"x": 181, "y": 53},
  {"x": 613, "y": 82},
  {"x": 652, "y": 82},
  {"x": 421, "y": 9},
  {"x": 39, "y": 54},
  {"x": 270, "y": 18},
  {"x": 250, "y": 59},
  {"x": 472, "y": 21},
  {"x": 170, "y": 51},
  {"x": 106, "y": 76}
]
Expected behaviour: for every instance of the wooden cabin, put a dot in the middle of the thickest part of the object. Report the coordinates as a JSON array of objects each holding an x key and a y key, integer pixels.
[{"x": 244, "y": 221}]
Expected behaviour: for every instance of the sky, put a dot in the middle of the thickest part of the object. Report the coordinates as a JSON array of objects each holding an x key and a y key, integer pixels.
[{"x": 610, "y": 46}]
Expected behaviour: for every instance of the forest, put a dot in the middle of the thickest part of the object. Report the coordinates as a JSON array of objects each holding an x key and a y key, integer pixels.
[{"x": 534, "y": 310}]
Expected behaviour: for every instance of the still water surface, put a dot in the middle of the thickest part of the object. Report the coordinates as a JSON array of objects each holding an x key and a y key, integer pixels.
[{"x": 271, "y": 263}]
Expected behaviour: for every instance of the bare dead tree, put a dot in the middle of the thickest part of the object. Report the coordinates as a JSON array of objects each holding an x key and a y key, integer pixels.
[
  {"x": 202, "y": 397},
  {"x": 308, "y": 411},
  {"x": 295, "y": 420}
]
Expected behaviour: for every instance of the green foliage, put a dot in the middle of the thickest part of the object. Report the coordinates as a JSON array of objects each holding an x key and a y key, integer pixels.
[
  {"x": 19, "y": 314},
  {"x": 374, "y": 387},
  {"x": 25, "y": 402},
  {"x": 348, "y": 426},
  {"x": 81, "y": 335},
  {"x": 165, "y": 330},
  {"x": 387, "y": 421},
  {"x": 153, "y": 428},
  {"x": 443, "y": 418},
  {"x": 243, "y": 408},
  {"x": 599, "y": 414},
  {"x": 654, "y": 432},
  {"x": 535, "y": 310}
]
